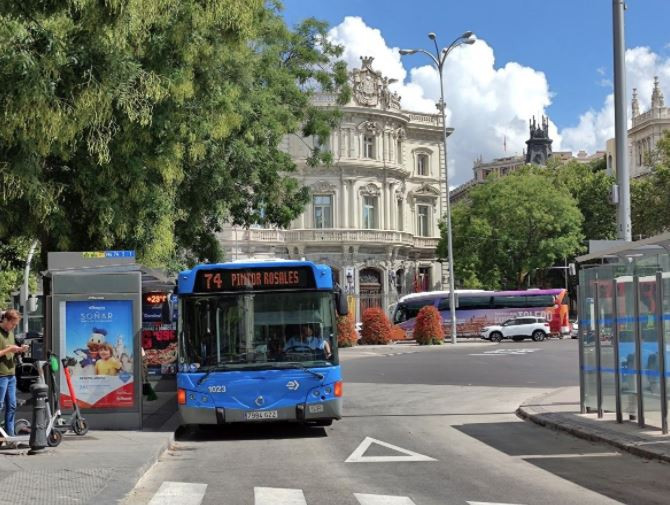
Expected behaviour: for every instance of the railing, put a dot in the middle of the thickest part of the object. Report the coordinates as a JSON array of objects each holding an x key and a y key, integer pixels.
[
  {"x": 663, "y": 113},
  {"x": 330, "y": 235},
  {"x": 324, "y": 99},
  {"x": 433, "y": 119}
]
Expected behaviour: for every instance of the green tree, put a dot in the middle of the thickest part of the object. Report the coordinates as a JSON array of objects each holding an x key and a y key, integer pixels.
[
  {"x": 146, "y": 124},
  {"x": 511, "y": 226},
  {"x": 591, "y": 187},
  {"x": 650, "y": 195}
]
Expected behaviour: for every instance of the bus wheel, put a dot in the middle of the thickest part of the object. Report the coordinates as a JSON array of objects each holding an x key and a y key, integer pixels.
[
  {"x": 538, "y": 335},
  {"x": 496, "y": 336}
]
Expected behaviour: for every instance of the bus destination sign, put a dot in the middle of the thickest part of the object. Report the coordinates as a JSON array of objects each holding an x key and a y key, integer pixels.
[{"x": 261, "y": 279}]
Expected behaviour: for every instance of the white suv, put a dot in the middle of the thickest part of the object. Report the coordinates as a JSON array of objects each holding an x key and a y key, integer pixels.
[{"x": 518, "y": 329}]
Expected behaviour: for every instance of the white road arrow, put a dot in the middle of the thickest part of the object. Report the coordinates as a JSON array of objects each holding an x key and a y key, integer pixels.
[{"x": 358, "y": 455}]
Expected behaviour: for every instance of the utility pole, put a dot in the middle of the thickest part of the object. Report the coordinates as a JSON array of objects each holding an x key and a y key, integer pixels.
[{"x": 622, "y": 194}]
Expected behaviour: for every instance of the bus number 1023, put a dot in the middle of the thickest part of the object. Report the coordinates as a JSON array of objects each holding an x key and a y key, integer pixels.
[{"x": 217, "y": 389}]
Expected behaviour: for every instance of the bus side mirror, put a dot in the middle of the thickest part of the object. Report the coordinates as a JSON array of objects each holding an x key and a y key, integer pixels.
[{"x": 341, "y": 302}]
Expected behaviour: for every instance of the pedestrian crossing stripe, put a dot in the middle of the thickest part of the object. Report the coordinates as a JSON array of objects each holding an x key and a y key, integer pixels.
[
  {"x": 179, "y": 493},
  {"x": 278, "y": 496},
  {"x": 505, "y": 352},
  {"x": 378, "y": 499},
  {"x": 193, "y": 493}
]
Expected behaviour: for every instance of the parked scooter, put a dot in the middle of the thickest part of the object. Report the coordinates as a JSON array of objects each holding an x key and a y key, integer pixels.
[
  {"x": 22, "y": 427},
  {"x": 75, "y": 422}
]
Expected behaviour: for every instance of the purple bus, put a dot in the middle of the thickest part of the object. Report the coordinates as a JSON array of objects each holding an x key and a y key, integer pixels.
[{"x": 477, "y": 309}]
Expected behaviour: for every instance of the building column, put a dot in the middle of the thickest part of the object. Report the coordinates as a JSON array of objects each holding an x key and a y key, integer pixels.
[
  {"x": 352, "y": 203},
  {"x": 342, "y": 215}
]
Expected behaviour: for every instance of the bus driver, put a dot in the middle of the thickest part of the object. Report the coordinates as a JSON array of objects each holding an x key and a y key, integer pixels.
[{"x": 307, "y": 340}]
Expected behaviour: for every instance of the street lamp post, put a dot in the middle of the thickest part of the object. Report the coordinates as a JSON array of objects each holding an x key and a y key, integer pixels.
[{"x": 438, "y": 60}]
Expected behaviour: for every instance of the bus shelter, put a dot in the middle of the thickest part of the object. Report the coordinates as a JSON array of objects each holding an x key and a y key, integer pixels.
[
  {"x": 112, "y": 317},
  {"x": 624, "y": 331}
]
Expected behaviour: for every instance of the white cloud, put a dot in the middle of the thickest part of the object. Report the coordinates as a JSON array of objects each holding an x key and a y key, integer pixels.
[
  {"x": 595, "y": 127},
  {"x": 489, "y": 105},
  {"x": 486, "y": 105}
]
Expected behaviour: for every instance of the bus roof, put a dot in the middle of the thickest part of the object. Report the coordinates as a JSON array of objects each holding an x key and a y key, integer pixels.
[
  {"x": 322, "y": 274},
  {"x": 440, "y": 294},
  {"x": 433, "y": 294}
]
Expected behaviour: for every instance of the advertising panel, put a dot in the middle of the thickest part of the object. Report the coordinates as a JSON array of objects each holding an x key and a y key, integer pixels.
[{"x": 99, "y": 335}]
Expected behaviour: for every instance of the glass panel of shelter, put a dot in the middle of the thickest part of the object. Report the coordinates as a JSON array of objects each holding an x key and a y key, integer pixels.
[
  {"x": 588, "y": 342},
  {"x": 625, "y": 299},
  {"x": 606, "y": 329}
]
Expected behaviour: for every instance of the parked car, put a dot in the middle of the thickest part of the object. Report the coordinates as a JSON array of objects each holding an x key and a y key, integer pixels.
[
  {"x": 574, "y": 329},
  {"x": 518, "y": 329}
]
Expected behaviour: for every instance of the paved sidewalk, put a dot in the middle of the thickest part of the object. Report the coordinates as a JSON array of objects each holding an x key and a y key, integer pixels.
[
  {"x": 559, "y": 410},
  {"x": 99, "y": 468}
]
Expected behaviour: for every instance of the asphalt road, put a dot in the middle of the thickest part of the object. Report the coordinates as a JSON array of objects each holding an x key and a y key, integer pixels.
[{"x": 422, "y": 426}]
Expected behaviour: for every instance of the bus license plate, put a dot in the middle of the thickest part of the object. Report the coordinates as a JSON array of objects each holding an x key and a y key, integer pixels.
[{"x": 261, "y": 414}]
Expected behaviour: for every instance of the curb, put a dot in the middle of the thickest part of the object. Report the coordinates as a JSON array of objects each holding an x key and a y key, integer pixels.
[
  {"x": 167, "y": 444},
  {"x": 542, "y": 419}
]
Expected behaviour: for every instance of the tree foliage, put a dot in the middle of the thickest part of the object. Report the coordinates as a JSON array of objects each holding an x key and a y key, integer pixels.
[
  {"x": 146, "y": 124},
  {"x": 511, "y": 226},
  {"x": 590, "y": 186},
  {"x": 650, "y": 195}
]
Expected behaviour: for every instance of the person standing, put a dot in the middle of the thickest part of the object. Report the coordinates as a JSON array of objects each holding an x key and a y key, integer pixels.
[{"x": 8, "y": 348}]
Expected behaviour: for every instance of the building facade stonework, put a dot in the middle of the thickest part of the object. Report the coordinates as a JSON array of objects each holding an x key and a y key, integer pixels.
[
  {"x": 374, "y": 213},
  {"x": 647, "y": 128}
]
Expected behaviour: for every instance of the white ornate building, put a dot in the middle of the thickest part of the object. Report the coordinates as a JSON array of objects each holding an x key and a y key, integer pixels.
[
  {"x": 646, "y": 130},
  {"x": 373, "y": 214}
]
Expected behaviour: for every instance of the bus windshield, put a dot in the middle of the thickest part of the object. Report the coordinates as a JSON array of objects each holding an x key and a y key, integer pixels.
[{"x": 267, "y": 330}]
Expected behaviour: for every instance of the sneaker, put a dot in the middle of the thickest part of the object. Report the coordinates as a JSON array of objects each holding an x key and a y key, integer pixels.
[{"x": 11, "y": 445}]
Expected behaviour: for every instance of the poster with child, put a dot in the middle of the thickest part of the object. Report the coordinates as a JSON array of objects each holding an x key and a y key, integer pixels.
[{"x": 98, "y": 334}]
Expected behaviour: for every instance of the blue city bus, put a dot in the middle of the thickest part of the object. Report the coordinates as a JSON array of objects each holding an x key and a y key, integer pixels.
[{"x": 258, "y": 342}]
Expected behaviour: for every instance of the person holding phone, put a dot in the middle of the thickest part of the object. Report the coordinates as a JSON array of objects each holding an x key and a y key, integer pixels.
[{"x": 8, "y": 349}]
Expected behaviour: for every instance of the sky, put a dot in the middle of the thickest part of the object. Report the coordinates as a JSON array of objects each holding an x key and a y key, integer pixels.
[{"x": 531, "y": 58}]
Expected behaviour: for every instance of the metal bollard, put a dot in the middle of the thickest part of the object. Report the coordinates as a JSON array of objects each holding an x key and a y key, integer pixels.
[{"x": 40, "y": 392}]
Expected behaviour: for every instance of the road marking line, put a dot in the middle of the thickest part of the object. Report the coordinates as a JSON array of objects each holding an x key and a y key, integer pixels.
[
  {"x": 278, "y": 496},
  {"x": 358, "y": 455},
  {"x": 379, "y": 499},
  {"x": 489, "y": 503},
  {"x": 179, "y": 493},
  {"x": 580, "y": 455}
]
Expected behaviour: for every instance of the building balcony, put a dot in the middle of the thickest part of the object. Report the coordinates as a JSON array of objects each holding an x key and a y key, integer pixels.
[{"x": 328, "y": 236}]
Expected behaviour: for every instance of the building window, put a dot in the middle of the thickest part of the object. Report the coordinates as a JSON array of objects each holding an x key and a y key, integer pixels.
[
  {"x": 370, "y": 212},
  {"x": 400, "y": 216},
  {"x": 399, "y": 157},
  {"x": 422, "y": 164},
  {"x": 323, "y": 211},
  {"x": 425, "y": 281},
  {"x": 368, "y": 146},
  {"x": 423, "y": 220}
]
